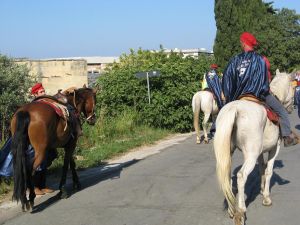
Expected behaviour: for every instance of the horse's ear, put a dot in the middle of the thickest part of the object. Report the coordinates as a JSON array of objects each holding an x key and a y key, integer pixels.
[
  {"x": 59, "y": 90},
  {"x": 84, "y": 86},
  {"x": 95, "y": 90}
]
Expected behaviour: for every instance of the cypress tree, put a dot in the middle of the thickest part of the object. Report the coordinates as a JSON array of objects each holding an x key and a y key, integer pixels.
[{"x": 232, "y": 18}]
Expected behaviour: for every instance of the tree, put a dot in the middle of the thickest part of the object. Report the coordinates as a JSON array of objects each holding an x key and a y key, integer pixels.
[
  {"x": 14, "y": 84},
  {"x": 277, "y": 31},
  {"x": 232, "y": 18}
]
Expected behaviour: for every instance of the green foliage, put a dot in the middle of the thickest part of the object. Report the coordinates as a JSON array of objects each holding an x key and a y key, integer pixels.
[
  {"x": 277, "y": 31},
  {"x": 111, "y": 136},
  {"x": 171, "y": 92},
  {"x": 14, "y": 84}
]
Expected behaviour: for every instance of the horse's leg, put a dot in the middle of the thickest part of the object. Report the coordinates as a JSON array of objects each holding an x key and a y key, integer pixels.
[
  {"x": 251, "y": 154},
  {"x": 62, "y": 184},
  {"x": 262, "y": 168},
  {"x": 71, "y": 149},
  {"x": 31, "y": 190},
  {"x": 76, "y": 183},
  {"x": 205, "y": 126},
  {"x": 268, "y": 174}
]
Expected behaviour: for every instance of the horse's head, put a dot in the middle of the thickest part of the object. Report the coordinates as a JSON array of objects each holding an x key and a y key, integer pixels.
[
  {"x": 84, "y": 100},
  {"x": 282, "y": 88}
]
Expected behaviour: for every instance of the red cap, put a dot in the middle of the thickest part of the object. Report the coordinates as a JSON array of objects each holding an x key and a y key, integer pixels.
[
  {"x": 214, "y": 66},
  {"x": 36, "y": 88},
  {"x": 248, "y": 39}
]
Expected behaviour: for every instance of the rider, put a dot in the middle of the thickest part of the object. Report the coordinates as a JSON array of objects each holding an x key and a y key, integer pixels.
[
  {"x": 247, "y": 73},
  {"x": 39, "y": 177},
  {"x": 213, "y": 82}
]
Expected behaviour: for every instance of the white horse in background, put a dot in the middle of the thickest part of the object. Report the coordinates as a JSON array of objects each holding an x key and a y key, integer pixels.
[
  {"x": 203, "y": 101},
  {"x": 243, "y": 124}
]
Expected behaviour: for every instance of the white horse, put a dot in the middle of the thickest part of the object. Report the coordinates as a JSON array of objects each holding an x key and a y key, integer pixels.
[
  {"x": 203, "y": 101},
  {"x": 243, "y": 124}
]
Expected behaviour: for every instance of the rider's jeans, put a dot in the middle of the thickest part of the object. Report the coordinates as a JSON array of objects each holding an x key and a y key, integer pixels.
[{"x": 278, "y": 108}]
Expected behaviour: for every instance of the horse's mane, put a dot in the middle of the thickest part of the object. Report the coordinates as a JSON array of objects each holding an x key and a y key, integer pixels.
[{"x": 71, "y": 90}]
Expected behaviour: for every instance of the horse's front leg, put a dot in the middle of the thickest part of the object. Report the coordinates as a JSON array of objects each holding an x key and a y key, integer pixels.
[
  {"x": 268, "y": 174},
  {"x": 62, "y": 184},
  {"x": 76, "y": 183}
]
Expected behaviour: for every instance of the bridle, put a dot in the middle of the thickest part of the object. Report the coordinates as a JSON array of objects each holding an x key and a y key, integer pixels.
[{"x": 83, "y": 118}]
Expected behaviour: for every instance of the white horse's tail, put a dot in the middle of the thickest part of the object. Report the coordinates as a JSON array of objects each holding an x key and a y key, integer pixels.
[
  {"x": 196, "y": 104},
  {"x": 222, "y": 147}
]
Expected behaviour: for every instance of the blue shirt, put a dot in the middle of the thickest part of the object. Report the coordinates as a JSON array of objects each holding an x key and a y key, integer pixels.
[
  {"x": 246, "y": 73},
  {"x": 214, "y": 84}
]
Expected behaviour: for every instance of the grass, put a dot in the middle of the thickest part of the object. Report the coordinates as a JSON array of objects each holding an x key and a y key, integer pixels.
[{"x": 109, "y": 137}]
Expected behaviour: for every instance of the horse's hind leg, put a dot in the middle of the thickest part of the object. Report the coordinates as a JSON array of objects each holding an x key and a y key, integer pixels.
[
  {"x": 251, "y": 153},
  {"x": 205, "y": 126},
  {"x": 268, "y": 174},
  {"x": 262, "y": 168},
  {"x": 31, "y": 192}
]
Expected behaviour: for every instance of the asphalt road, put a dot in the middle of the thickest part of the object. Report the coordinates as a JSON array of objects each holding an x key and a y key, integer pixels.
[{"x": 176, "y": 186}]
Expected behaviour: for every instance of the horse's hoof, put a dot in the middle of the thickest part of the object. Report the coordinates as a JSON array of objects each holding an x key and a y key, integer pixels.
[
  {"x": 206, "y": 141},
  {"x": 239, "y": 218},
  {"x": 63, "y": 195},
  {"x": 77, "y": 186},
  {"x": 198, "y": 142},
  {"x": 267, "y": 201}
]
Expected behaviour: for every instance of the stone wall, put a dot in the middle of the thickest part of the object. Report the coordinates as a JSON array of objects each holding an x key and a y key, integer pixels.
[{"x": 58, "y": 74}]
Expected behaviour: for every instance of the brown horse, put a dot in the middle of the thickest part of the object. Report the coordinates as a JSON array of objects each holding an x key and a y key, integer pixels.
[{"x": 38, "y": 124}]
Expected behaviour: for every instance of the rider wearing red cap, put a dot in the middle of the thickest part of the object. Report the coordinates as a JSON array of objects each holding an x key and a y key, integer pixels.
[
  {"x": 247, "y": 73},
  {"x": 214, "y": 84},
  {"x": 38, "y": 90},
  {"x": 39, "y": 178}
]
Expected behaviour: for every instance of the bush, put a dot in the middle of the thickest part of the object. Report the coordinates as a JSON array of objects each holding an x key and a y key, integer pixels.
[
  {"x": 14, "y": 84},
  {"x": 171, "y": 92}
]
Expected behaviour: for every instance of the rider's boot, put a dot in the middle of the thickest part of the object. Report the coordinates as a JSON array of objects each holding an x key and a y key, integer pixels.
[{"x": 290, "y": 140}]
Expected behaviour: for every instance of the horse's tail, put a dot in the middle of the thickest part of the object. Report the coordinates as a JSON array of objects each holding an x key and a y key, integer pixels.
[
  {"x": 222, "y": 147},
  {"x": 196, "y": 104},
  {"x": 18, "y": 148}
]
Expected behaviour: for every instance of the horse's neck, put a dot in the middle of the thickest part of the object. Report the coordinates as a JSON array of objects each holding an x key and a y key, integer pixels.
[
  {"x": 75, "y": 101},
  {"x": 280, "y": 87}
]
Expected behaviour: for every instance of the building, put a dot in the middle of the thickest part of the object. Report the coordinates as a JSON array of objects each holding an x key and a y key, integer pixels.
[
  {"x": 57, "y": 74},
  {"x": 62, "y": 73},
  {"x": 193, "y": 52}
]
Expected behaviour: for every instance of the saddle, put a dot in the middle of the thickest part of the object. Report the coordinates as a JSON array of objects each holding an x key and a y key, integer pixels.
[
  {"x": 272, "y": 116},
  {"x": 60, "y": 109}
]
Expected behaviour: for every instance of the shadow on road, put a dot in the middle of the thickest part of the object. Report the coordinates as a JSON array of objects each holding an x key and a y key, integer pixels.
[{"x": 89, "y": 178}]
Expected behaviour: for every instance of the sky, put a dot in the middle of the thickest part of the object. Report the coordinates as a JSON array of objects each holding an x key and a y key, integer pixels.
[{"x": 38, "y": 29}]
